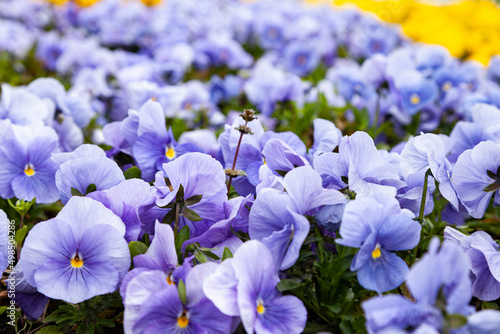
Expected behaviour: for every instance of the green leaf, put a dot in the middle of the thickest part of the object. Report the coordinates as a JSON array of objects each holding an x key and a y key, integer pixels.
[
  {"x": 52, "y": 317},
  {"x": 226, "y": 254},
  {"x": 21, "y": 234},
  {"x": 289, "y": 284},
  {"x": 334, "y": 308},
  {"x": 200, "y": 257},
  {"x": 310, "y": 239},
  {"x": 456, "y": 320},
  {"x": 211, "y": 255},
  {"x": 190, "y": 214},
  {"x": 313, "y": 328},
  {"x": 75, "y": 192},
  {"x": 91, "y": 188},
  {"x": 493, "y": 187},
  {"x": 85, "y": 329},
  {"x": 181, "y": 289},
  {"x": 304, "y": 255},
  {"x": 182, "y": 236},
  {"x": 132, "y": 173},
  {"x": 22, "y": 207},
  {"x": 52, "y": 329},
  {"x": 492, "y": 175},
  {"x": 82, "y": 329},
  {"x": 136, "y": 248},
  {"x": 2, "y": 309},
  {"x": 281, "y": 172},
  {"x": 180, "y": 193},
  {"x": 193, "y": 200},
  {"x": 489, "y": 305},
  {"x": 169, "y": 217},
  {"x": 70, "y": 318},
  {"x": 106, "y": 323}
]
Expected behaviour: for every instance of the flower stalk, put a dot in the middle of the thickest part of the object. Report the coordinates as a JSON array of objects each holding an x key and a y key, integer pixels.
[{"x": 248, "y": 115}]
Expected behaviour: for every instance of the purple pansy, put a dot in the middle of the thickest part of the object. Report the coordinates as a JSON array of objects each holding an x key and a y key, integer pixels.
[
  {"x": 170, "y": 311},
  {"x": 428, "y": 151},
  {"x": 199, "y": 175},
  {"x": 153, "y": 271},
  {"x": 360, "y": 166},
  {"x": 85, "y": 166},
  {"x": 484, "y": 254},
  {"x": 378, "y": 226},
  {"x": 220, "y": 235},
  {"x": 277, "y": 220},
  {"x": 144, "y": 135},
  {"x": 126, "y": 199},
  {"x": 26, "y": 296},
  {"x": 28, "y": 171},
  {"x": 476, "y": 177},
  {"x": 439, "y": 283},
  {"x": 77, "y": 255},
  {"x": 415, "y": 91},
  {"x": 245, "y": 286}
]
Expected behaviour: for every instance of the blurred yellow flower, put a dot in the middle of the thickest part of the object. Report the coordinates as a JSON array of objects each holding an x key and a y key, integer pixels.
[
  {"x": 468, "y": 29},
  {"x": 151, "y": 2},
  {"x": 86, "y": 3},
  {"x": 58, "y": 2}
]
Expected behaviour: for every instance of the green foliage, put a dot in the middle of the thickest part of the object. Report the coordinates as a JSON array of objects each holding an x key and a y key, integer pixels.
[
  {"x": 96, "y": 315},
  {"x": 181, "y": 288},
  {"x": 21, "y": 206},
  {"x": 137, "y": 248},
  {"x": 181, "y": 237},
  {"x": 322, "y": 280},
  {"x": 226, "y": 254},
  {"x": 91, "y": 188},
  {"x": 132, "y": 173},
  {"x": 21, "y": 234}
]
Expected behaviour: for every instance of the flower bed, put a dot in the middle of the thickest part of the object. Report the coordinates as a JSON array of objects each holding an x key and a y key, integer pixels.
[{"x": 224, "y": 166}]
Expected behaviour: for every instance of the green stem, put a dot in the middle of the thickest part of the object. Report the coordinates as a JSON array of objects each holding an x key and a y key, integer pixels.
[
  {"x": 424, "y": 196},
  {"x": 311, "y": 307},
  {"x": 176, "y": 226},
  {"x": 234, "y": 161},
  {"x": 377, "y": 113},
  {"x": 321, "y": 246}
]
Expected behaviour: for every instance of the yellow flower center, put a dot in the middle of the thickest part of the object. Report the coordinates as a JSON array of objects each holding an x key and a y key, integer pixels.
[
  {"x": 183, "y": 321},
  {"x": 169, "y": 281},
  {"x": 28, "y": 170},
  {"x": 260, "y": 308},
  {"x": 76, "y": 262},
  {"x": 414, "y": 99},
  {"x": 446, "y": 86},
  {"x": 376, "y": 252},
  {"x": 170, "y": 153}
]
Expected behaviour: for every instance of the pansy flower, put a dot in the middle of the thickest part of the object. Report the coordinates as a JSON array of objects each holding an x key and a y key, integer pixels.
[
  {"x": 79, "y": 254},
  {"x": 378, "y": 226}
]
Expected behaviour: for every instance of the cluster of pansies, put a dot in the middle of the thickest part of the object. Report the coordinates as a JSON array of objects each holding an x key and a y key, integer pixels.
[{"x": 357, "y": 199}]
